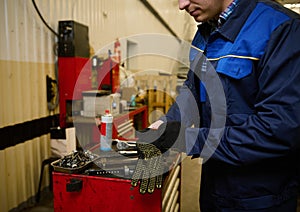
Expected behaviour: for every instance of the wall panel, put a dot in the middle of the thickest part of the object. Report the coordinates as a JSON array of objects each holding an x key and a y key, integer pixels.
[
  {"x": 20, "y": 168},
  {"x": 3, "y": 183},
  {"x": 23, "y": 91}
]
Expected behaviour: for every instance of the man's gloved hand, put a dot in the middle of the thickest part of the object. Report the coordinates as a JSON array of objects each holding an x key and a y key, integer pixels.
[
  {"x": 170, "y": 134},
  {"x": 151, "y": 144},
  {"x": 148, "y": 169}
]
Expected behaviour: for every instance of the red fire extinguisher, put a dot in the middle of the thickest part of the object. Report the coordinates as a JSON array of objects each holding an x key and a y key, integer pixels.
[{"x": 117, "y": 50}]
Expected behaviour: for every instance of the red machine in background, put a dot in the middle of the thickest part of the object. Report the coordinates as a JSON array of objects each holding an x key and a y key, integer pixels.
[
  {"x": 108, "y": 77},
  {"x": 77, "y": 72},
  {"x": 75, "y": 76},
  {"x": 72, "y": 71}
]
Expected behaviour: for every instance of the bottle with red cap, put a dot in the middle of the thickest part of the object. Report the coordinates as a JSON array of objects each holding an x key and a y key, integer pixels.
[{"x": 106, "y": 131}]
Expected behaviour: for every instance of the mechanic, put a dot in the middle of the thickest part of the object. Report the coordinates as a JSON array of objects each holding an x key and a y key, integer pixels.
[{"x": 250, "y": 164}]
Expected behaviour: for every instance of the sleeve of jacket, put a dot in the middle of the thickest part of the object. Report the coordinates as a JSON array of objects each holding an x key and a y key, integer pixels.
[
  {"x": 185, "y": 109},
  {"x": 273, "y": 131}
]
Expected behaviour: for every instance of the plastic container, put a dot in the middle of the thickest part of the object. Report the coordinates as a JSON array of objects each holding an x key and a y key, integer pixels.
[{"x": 106, "y": 131}]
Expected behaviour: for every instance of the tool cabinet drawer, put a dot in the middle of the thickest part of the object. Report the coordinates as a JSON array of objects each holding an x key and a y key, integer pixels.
[{"x": 92, "y": 193}]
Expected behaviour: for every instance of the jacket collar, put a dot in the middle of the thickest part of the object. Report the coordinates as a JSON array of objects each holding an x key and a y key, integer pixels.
[{"x": 235, "y": 22}]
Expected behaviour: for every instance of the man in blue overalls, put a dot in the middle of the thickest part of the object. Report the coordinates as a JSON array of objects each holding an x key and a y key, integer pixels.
[{"x": 251, "y": 163}]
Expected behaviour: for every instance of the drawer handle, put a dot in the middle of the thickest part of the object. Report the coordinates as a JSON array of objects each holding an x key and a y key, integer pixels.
[{"x": 75, "y": 185}]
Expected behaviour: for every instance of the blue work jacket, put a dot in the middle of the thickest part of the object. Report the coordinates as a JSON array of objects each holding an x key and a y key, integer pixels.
[{"x": 256, "y": 55}]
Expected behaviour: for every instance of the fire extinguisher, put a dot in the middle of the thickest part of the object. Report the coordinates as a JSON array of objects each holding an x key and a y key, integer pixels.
[{"x": 117, "y": 50}]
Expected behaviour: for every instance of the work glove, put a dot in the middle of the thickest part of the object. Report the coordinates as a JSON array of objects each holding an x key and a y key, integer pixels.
[
  {"x": 148, "y": 169},
  {"x": 151, "y": 144}
]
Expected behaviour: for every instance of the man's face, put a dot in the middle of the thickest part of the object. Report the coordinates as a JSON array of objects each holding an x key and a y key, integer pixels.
[{"x": 204, "y": 10}]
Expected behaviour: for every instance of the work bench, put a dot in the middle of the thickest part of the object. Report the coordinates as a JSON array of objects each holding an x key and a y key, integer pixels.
[{"x": 124, "y": 126}]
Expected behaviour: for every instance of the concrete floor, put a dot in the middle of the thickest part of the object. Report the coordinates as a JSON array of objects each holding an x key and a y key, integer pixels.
[{"x": 45, "y": 204}]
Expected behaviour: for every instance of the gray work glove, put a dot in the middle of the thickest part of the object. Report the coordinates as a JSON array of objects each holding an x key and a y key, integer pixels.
[
  {"x": 151, "y": 144},
  {"x": 148, "y": 169}
]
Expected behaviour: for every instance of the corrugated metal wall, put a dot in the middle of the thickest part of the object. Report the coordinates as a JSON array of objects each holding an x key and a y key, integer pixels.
[{"x": 27, "y": 56}]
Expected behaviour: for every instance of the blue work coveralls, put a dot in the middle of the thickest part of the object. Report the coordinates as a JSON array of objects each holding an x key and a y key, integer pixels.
[{"x": 256, "y": 54}]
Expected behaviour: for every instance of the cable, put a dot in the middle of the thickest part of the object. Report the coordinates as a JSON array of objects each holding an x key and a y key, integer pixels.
[
  {"x": 41, "y": 17},
  {"x": 51, "y": 105}
]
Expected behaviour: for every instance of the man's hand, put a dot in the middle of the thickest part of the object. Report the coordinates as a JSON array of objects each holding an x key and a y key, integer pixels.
[
  {"x": 168, "y": 135},
  {"x": 151, "y": 144}
]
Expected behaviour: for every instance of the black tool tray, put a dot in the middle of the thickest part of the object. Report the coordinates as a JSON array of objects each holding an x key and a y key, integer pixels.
[{"x": 86, "y": 162}]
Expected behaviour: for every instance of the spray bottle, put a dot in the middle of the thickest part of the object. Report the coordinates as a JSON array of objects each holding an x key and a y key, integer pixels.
[{"x": 106, "y": 131}]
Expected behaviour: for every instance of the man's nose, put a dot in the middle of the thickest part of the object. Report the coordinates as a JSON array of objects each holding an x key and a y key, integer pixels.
[{"x": 183, "y": 4}]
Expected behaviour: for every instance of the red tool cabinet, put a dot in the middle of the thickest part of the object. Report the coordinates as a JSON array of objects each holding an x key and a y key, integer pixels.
[
  {"x": 100, "y": 194},
  {"x": 82, "y": 193}
]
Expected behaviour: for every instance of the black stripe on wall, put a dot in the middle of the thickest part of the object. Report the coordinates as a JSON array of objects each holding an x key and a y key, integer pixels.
[{"x": 19, "y": 133}]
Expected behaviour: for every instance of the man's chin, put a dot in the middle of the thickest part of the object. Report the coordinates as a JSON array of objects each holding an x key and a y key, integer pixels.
[{"x": 200, "y": 19}]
